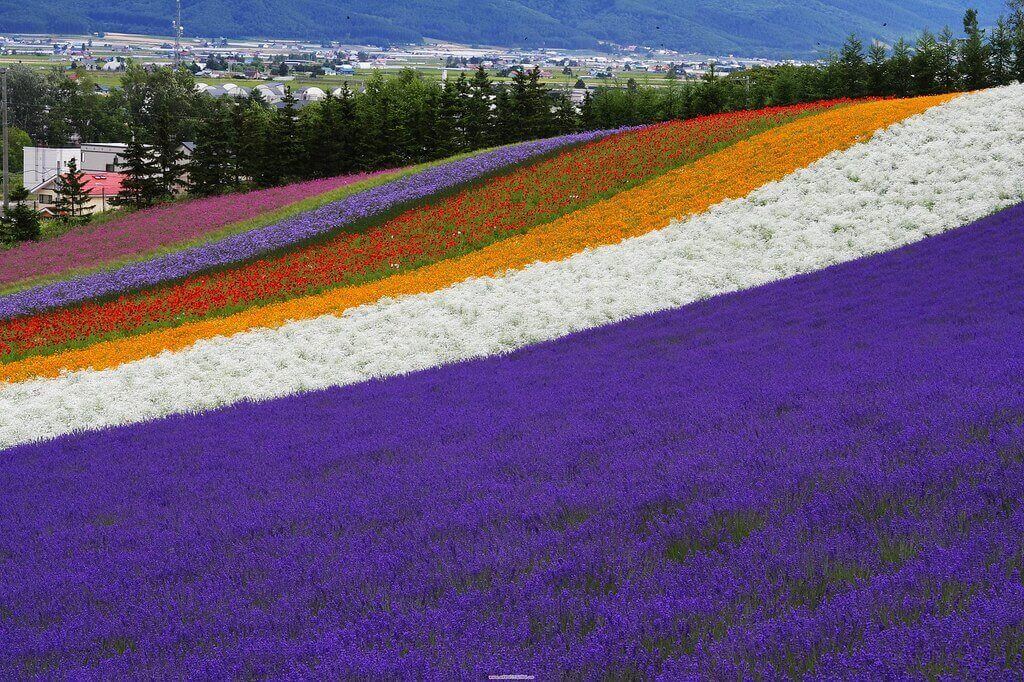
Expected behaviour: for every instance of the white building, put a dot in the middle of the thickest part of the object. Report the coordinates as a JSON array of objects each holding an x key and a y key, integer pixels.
[
  {"x": 102, "y": 157},
  {"x": 46, "y": 163}
]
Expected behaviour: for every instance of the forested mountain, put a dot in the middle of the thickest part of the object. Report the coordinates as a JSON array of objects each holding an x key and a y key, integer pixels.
[{"x": 749, "y": 27}]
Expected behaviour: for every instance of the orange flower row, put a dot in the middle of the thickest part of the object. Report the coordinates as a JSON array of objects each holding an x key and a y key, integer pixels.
[{"x": 730, "y": 173}]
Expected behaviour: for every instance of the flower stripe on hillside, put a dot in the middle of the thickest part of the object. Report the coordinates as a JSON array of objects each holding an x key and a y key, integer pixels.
[
  {"x": 289, "y": 232},
  {"x": 946, "y": 167},
  {"x": 729, "y": 173},
  {"x": 143, "y": 231},
  {"x": 825, "y": 474},
  {"x": 470, "y": 219}
]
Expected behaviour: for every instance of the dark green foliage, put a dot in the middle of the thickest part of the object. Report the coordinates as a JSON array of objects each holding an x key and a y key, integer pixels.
[
  {"x": 852, "y": 69},
  {"x": 18, "y": 140},
  {"x": 407, "y": 118},
  {"x": 72, "y": 195},
  {"x": 213, "y": 168},
  {"x": 329, "y": 136},
  {"x": 899, "y": 69},
  {"x": 22, "y": 222},
  {"x": 974, "y": 54},
  {"x": 140, "y": 187},
  {"x": 1001, "y": 53}
]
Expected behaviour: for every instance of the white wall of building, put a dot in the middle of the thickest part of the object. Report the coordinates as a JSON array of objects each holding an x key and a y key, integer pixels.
[
  {"x": 102, "y": 157},
  {"x": 43, "y": 163}
]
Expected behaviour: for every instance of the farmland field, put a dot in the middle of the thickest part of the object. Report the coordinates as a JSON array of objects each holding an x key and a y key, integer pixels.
[{"x": 738, "y": 397}]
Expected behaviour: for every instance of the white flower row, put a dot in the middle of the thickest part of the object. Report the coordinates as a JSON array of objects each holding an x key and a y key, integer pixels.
[{"x": 944, "y": 168}]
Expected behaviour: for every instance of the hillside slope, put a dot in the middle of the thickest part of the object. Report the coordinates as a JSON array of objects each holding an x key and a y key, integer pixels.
[
  {"x": 766, "y": 27},
  {"x": 801, "y": 456}
]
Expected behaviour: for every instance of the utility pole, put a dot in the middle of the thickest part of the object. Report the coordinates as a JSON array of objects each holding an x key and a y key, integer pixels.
[
  {"x": 177, "y": 33},
  {"x": 4, "y": 71}
]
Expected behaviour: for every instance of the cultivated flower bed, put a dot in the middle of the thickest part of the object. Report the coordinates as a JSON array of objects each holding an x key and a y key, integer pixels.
[
  {"x": 934, "y": 172},
  {"x": 819, "y": 477},
  {"x": 142, "y": 231},
  {"x": 286, "y": 233},
  {"x": 465, "y": 221}
]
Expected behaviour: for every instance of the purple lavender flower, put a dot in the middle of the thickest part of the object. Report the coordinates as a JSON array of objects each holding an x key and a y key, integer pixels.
[{"x": 821, "y": 478}]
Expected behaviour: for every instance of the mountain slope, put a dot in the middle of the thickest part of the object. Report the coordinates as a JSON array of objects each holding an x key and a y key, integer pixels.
[{"x": 770, "y": 27}]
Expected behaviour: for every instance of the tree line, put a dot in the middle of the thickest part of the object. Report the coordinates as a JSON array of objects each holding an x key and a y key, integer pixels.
[{"x": 408, "y": 119}]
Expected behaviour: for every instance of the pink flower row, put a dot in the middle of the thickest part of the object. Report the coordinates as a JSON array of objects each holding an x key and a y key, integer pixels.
[{"x": 143, "y": 231}]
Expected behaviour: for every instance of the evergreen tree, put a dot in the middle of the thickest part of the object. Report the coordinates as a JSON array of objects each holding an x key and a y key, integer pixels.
[
  {"x": 22, "y": 222},
  {"x": 284, "y": 164},
  {"x": 566, "y": 118},
  {"x": 140, "y": 186},
  {"x": 1001, "y": 52},
  {"x": 947, "y": 74},
  {"x": 973, "y": 60},
  {"x": 530, "y": 105},
  {"x": 162, "y": 106},
  {"x": 852, "y": 68},
  {"x": 346, "y": 134},
  {"x": 588, "y": 114},
  {"x": 877, "y": 71},
  {"x": 479, "y": 116},
  {"x": 252, "y": 122},
  {"x": 899, "y": 70},
  {"x": 506, "y": 125},
  {"x": 450, "y": 136},
  {"x": 73, "y": 195},
  {"x": 1017, "y": 39},
  {"x": 328, "y": 132},
  {"x": 514, "y": 108},
  {"x": 464, "y": 92},
  {"x": 925, "y": 64},
  {"x": 385, "y": 138},
  {"x": 213, "y": 168}
]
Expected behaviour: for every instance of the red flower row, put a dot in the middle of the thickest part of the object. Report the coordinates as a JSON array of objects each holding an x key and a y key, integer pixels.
[{"x": 524, "y": 197}]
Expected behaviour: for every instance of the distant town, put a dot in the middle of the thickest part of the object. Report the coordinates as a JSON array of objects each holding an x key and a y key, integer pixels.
[{"x": 303, "y": 64}]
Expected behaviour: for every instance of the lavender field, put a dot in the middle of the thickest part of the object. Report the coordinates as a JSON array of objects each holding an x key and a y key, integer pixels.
[{"x": 818, "y": 477}]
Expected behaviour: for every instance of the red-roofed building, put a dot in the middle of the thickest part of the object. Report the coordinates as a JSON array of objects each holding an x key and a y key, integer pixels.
[{"x": 102, "y": 187}]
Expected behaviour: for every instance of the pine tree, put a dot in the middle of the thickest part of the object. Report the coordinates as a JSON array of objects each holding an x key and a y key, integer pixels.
[
  {"x": 973, "y": 62},
  {"x": 852, "y": 68},
  {"x": 566, "y": 118},
  {"x": 464, "y": 92},
  {"x": 479, "y": 116},
  {"x": 386, "y": 138},
  {"x": 877, "y": 71},
  {"x": 1017, "y": 38},
  {"x": 1001, "y": 52},
  {"x": 899, "y": 70},
  {"x": 947, "y": 74},
  {"x": 543, "y": 119},
  {"x": 345, "y": 133},
  {"x": 140, "y": 187},
  {"x": 212, "y": 169},
  {"x": 23, "y": 219},
  {"x": 283, "y": 165},
  {"x": 162, "y": 105},
  {"x": 925, "y": 65},
  {"x": 506, "y": 125},
  {"x": 72, "y": 203},
  {"x": 529, "y": 106},
  {"x": 588, "y": 114},
  {"x": 449, "y": 136},
  {"x": 327, "y": 137},
  {"x": 252, "y": 123}
]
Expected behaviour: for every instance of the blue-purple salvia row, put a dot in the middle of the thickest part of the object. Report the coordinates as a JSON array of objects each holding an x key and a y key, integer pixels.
[
  {"x": 266, "y": 239},
  {"x": 822, "y": 478}
]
